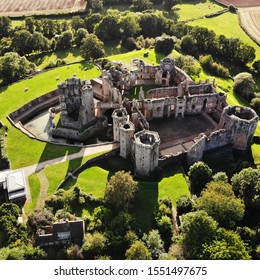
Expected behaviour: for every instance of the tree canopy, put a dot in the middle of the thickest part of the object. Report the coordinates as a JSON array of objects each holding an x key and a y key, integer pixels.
[
  {"x": 219, "y": 201},
  {"x": 227, "y": 246},
  {"x": 14, "y": 67},
  {"x": 92, "y": 48},
  {"x": 138, "y": 251},
  {"x": 121, "y": 190},
  {"x": 247, "y": 184},
  {"x": 198, "y": 229},
  {"x": 199, "y": 175}
]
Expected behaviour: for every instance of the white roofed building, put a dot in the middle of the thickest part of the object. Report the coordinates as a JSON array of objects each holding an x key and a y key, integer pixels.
[{"x": 14, "y": 183}]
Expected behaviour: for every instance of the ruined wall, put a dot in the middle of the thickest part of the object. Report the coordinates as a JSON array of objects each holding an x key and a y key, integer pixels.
[
  {"x": 218, "y": 139},
  {"x": 196, "y": 151},
  {"x": 35, "y": 106},
  {"x": 94, "y": 127}
]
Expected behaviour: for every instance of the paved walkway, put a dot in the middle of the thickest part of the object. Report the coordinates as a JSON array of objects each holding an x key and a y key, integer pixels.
[{"x": 28, "y": 170}]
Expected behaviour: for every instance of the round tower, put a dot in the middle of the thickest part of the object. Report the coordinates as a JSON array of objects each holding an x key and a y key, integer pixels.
[
  {"x": 146, "y": 152},
  {"x": 127, "y": 130},
  {"x": 242, "y": 123},
  {"x": 119, "y": 116}
]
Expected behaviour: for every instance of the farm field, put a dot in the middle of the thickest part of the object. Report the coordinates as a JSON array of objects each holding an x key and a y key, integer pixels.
[
  {"x": 32, "y": 7},
  {"x": 219, "y": 25},
  {"x": 188, "y": 10},
  {"x": 250, "y": 22},
  {"x": 241, "y": 3}
]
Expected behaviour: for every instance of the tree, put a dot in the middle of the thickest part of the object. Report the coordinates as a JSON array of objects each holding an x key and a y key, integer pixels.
[
  {"x": 154, "y": 243},
  {"x": 168, "y": 4},
  {"x": 108, "y": 28},
  {"x": 96, "y": 5},
  {"x": 94, "y": 245},
  {"x": 189, "y": 45},
  {"x": 25, "y": 37},
  {"x": 10, "y": 230},
  {"x": 164, "y": 44},
  {"x": 220, "y": 176},
  {"x": 256, "y": 65},
  {"x": 5, "y": 27},
  {"x": 244, "y": 85},
  {"x": 138, "y": 251},
  {"x": 219, "y": 201},
  {"x": 205, "y": 38},
  {"x": 39, "y": 42},
  {"x": 199, "y": 175},
  {"x": 92, "y": 48},
  {"x": 91, "y": 20},
  {"x": 227, "y": 246},
  {"x": 74, "y": 252},
  {"x": 121, "y": 190},
  {"x": 188, "y": 64},
  {"x": 184, "y": 204},
  {"x": 81, "y": 33},
  {"x": 198, "y": 229},
  {"x": 140, "y": 5},
  {"x": 38, "y": 219},
  {"x": 130, "y": 25},
  {"x": 64, "y": 40},
  {"x": 76, "y": 23},
  {"x": 14, "y": 67},
  {"x": 29, "y": 24},
  {"x": 246, "y": 184},
  {"x": 255, "y": 103}
]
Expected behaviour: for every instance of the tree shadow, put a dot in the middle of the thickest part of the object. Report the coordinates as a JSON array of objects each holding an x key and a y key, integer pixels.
[
  {"x": 147, "y": 201},
  {"x": 159, "y": 57}
]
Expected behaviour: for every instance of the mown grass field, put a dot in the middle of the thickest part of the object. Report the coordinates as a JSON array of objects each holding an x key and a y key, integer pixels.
[
  {"x": 23, "y": 151},
  {"x": 227, "y": 24},
  {"x": 189, "y": 10},
  {"x": 55, "y": 174},
  {"x": 93, "y": 180}
]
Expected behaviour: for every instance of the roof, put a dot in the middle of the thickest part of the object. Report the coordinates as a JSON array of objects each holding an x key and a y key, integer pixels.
[{"x": 16, "y": 185}]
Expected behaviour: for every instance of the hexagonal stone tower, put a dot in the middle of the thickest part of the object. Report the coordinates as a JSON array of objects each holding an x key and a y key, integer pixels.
[{"x": 146, "y": 152}]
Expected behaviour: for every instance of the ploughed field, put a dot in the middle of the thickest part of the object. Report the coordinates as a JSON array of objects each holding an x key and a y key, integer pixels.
[
  {"x": 241, "y": 3},
  {"x": 250, "y": 22},
  {"x": 32, "y": 7}
]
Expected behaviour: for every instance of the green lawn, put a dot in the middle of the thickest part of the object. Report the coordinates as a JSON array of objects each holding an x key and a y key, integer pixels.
[
  {"x": 188, "y": 10},
  {"x": 173, "y": 185},
  {"x": 227, "y": 24},
  {"x": 93, "y": 181},
  {"x": 69, "y": 56},
  {"x": 55, "y": 175},
  {"x": 21, "y": 150}
]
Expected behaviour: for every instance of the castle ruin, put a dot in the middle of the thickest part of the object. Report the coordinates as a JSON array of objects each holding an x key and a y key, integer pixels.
[{"x": 177, "y": 118}]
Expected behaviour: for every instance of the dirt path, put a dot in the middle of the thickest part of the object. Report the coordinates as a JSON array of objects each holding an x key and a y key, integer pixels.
[{"x": 44, "y": 190}]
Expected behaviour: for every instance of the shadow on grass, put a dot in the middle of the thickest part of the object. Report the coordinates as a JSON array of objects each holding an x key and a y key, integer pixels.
[
  {"x": 147, "y": 200},
  {"x": 159, "y": 57},
  {"x": 114, "y": 47},
  {"x": 52, "y": 151}
]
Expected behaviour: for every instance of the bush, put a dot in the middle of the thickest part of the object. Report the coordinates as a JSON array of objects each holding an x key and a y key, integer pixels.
[
  {"x": 217, "y": 69},
  {"x": 164, "y": 44}
]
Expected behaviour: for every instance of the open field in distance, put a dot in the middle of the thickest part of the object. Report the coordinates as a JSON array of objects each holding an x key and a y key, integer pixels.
[{"x": 33, "y": 7}]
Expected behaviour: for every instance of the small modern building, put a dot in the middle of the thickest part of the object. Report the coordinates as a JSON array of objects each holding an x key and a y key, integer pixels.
[
  {"x": 13, "y": 183},
  {"x": 64, "y": 232}
]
